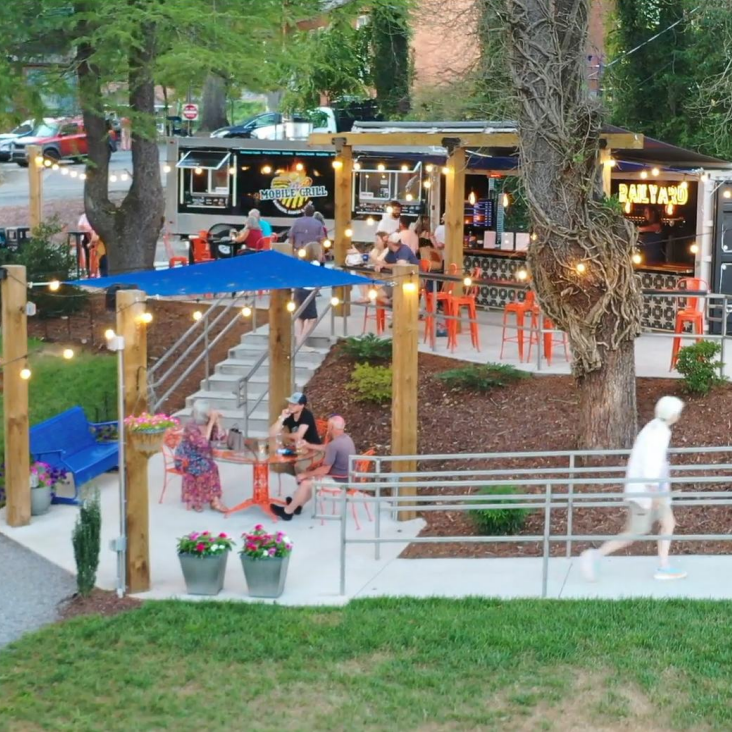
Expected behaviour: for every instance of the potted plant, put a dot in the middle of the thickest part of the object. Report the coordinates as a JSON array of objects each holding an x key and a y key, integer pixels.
[
  {"x": 146, "y": 431},
  {"x": 265, "y": 558},
  {"x": 203, "y": 561},
  {"x": 43, "y": 478}
]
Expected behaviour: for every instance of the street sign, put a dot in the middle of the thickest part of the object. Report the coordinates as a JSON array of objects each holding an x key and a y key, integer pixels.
[{"x": 190, "y": 112}]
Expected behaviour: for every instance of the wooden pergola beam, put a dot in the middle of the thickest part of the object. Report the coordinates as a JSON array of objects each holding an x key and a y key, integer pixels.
[
  {"x": 615, "y": 140},
  {"x": 343, "y": 209},
  {"x": 35, "y": 186}
]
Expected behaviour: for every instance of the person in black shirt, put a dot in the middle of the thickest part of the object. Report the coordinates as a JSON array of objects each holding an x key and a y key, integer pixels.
[{"x": 296, "y": 424}]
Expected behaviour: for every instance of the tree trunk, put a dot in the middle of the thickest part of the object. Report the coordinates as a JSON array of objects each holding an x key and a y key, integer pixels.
[
  {"x": 214, "y": 104},
  {"x": 581, "y": 248},
  {"x": 130, "y": 231}
]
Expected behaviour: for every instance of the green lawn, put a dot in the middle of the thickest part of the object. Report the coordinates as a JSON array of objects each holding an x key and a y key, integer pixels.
[
  {"x": 391, "y": 665},
  {"x": 57, "y": 384}
]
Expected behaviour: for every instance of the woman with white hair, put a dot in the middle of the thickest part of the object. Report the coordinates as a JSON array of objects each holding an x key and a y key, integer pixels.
[
  {"x": 649, "y": 494},
  {"x": 264, "y": 225},
  {"x": 251, "y": 235},
  {"x": 194, "y": 457}
]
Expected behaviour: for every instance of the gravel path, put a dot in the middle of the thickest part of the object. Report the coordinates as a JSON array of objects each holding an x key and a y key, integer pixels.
[{"x": 30, "y": 590}]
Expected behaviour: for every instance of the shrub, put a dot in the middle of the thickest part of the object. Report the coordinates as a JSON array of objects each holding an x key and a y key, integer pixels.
[
  {"x": 86, "y": 541},
  {"x": 483, "y": 377},
  {"x": 699, "y": 366},
  {"x": 368, "y": 348},
  {"x": 498, "y": 521},
  {"x": 371, "y": 383}
]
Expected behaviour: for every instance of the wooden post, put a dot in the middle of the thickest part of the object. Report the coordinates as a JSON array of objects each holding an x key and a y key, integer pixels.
[
  {"x": 280, "y": 352},
  {"x": 343, "y": 209},
  {"x": 607, "y": 170},
  {"x": 35, "y": 180},
  {"x": 455, "y": 212},
  {"x": 15, "y": 395},
  {"x": 130, "y": 307},
  {"x": 404, "y": 373}
]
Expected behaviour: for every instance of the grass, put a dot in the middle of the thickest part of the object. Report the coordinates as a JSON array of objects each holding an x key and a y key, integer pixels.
[
  {"x": 379, "y": 665},
  {"x": 56, "y": 384}
]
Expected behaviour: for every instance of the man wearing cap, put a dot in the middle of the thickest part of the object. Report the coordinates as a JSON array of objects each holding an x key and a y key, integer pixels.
[
  {"x": 648, "y": 464},
  {"x": 295, "y": 424},
  {"x": 398, "y": 254},
  {"x": 332, "y": 471}
]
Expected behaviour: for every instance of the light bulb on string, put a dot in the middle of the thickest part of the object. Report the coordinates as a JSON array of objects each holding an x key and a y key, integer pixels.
[
  {"x": 291, "y": 307},
  {"x": 337, "y": 164},
  {"x": 409, "y": 197},
  {"x": 167, "y": 169},
  {"x": 684, "y": 184},
  {"x": 467, "y": 281},
  {"x": 445, "y": 169},
  {"x": 73, "y": 174},
  {"x": 522, "y": 275},
  {"x": 47, "y": 163},
  {"x": 405, "y": 168},
  {"x": 25, "y": 373},
  {"x": 112, "y": 178},
  {"x": 82, "y": 176},
  {"x": 612, "y": 162},
  {"x": 694, "y": 249},
  {"x": 335, "y": 301},
  {"x": 727, "y": 193},
  {"x": 506, "y": 201},
  {"x": 628, "y": 207},
  {"x": 644, "y": 174},
  {"x": 109, "y": 334},
  {"x": 427, "y": 183},
  {"x": 124, "y": 177},
  {"x": 198, "y": 171},
  {"x": 64, "y": 171},
  {"x": 637, "y": 258},
  {"x": 390, "y": 209},
  {"x": 348, "y": 233},
  {"x": 301, "y": 253},
  {"x": 534, "y": 236},
  {"x": 68, "y": 353},
  {"x": 146, "y": 318},
  {"x": 670, "y": 209},
  {"x": 581, "y": 267},
  {"x": 55, "y": 166},
  {"x": 429, "y": 168},
  {"x": 327, "y": 243},
  {"x": 266, "y": 169},
  {"x": 197, "y": 315},
  {"x": 246, "y": 311},
  {"x": 471, "y": 198},
  {"x": 655, "y": 172},
  {"x": 39, "y": 160},
  {"x": 381, "y": 167},
  {"x": 370, "y": 221},
  {"x": 409, "y": 287},
  {"x": 357, "y": 166},
  {"x": 232, "y": 170},
  {"x": 54, "y": 285},
  {"x": 372, "y": 294},
  {"x": 299, "y": 167}
]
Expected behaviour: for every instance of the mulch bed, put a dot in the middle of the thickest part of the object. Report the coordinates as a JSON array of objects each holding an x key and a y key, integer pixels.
[
  {"x": 536, "y": 414},
  {"x": 170, "y": 320},
  {"x": 100, "y": 602}
]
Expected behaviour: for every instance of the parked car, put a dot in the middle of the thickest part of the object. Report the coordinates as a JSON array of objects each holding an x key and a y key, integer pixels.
[
  {"x": 262, "y": 126},
  {"x": 63, "y": 139},
  {"x": 7, "y": 137}
]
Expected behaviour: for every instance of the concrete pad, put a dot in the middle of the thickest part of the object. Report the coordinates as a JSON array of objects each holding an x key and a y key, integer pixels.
[{"x": 314, "y": 572}]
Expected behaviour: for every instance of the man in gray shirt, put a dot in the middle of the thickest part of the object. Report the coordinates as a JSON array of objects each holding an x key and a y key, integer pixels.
[
  {"x": 306, "y": 229},
  {"x": 332, "y": 471}
]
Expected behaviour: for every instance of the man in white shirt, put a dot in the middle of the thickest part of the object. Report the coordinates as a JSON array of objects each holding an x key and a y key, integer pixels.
[
  {"x": 648, "y": 462},
  {"x": 389, "y": 223}
]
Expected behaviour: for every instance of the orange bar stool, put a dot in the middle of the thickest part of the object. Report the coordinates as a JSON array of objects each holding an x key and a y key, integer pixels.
[
  {"x": 176, "y": 261},
  {"x": 379, "y": 317},
  {"x": 519, "y": 310},
  {"x": 549, "y": 339},
  {"x": 201, "y": 251},
  {"x": 692, "y": 313},
  {"x": 457, "y": 303}
]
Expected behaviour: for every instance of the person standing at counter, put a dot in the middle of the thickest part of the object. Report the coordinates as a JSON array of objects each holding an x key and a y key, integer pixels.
[
  {"x": 651, "y": 237},
  {"x": 390, "y": 220}
]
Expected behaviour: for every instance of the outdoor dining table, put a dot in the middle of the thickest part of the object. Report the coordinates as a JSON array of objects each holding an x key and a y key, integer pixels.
[{"x": 261, "y": 463}]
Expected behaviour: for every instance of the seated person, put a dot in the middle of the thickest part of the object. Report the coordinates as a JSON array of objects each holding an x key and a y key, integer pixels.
[
  {"x": 398, "y": 254},
  {"x": 333, "y": 471},
  {"x": 193, "y": 456},
  {"x": 251, "y": 235},
  {"x": 296, "y": 426}
]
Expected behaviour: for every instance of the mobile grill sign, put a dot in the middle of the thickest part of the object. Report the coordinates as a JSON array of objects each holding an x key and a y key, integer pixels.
[{"x": 291, "y": 199}]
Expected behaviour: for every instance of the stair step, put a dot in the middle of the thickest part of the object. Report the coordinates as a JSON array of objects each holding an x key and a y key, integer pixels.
[
  {"x": 248, "y": 356},
  {"x": 245, "y": 363},
  {"x": 260, "y": 340},
  {"x": 225, "y": 382}
]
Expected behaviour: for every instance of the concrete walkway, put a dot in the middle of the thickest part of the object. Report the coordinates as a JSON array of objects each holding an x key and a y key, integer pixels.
[{"x": 30, "y": 589}]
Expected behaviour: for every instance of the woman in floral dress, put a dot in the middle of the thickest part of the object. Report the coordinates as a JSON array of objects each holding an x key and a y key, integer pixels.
[{"x": 201, "y": 482}]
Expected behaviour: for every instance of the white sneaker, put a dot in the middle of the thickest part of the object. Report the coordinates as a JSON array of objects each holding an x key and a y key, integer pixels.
[
  {"x": 588, "y": 564},
  {"x": 669, "y": 573}
]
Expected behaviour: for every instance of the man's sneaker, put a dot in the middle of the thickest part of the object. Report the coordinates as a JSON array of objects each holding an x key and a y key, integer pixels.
[
  {"x": 588, "y": 564},
  {"x": 669, "y": 573}
]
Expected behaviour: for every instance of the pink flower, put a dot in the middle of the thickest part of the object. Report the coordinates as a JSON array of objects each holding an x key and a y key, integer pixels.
[
  {"x": 288, "y": 546},
  {"x": 272, "y": 552},
  {"x": 193, "y": 536},
  {"x": 200, "y": 547},
  {"x": 258, "y": 527},
  {"x": 223, "y": 536},
  {"x": 206, "y": 533}
]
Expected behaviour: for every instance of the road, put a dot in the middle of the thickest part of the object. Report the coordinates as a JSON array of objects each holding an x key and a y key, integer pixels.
[{"x": 56, "y": 186}]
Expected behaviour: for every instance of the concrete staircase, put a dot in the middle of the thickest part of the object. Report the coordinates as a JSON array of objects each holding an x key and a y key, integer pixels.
[{"x": 221, "y": 390}]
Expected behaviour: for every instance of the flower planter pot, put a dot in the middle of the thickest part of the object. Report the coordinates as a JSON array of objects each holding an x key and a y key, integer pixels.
[
  {"x": 146, "y": 442},
  {"x": 265, "y": 577},
  {"x": 203, "y": 575},
  {"x": 40, "y": 500}
]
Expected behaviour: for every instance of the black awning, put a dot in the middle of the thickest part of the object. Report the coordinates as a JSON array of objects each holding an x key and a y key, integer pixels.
[{"x": 206, "y": 160}]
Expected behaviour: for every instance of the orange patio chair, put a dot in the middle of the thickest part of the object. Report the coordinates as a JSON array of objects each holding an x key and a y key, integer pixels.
[
  {"x": 692, "y": 313},
  {"x": 170, "y": 442},
  {"x": 361, "y": 466}
]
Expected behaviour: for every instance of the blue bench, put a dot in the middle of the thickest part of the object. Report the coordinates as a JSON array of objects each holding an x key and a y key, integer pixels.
[{"x": 69, "y": 441}]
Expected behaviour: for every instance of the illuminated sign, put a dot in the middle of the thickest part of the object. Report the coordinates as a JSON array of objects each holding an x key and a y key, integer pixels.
[
  {"x": 653, "y": 194},
  {"x": 291, "y": 190}
]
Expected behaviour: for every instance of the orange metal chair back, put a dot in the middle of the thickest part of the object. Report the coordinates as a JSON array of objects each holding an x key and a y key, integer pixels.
[
  {"x": 321, "y": 425},
  {"x": 692, "y": 283},
  {"x": 362, "y": 466},
  {"x": 424, "y": 265}
]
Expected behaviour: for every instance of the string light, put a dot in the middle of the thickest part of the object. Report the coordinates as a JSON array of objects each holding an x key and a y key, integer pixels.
[
  {"x": 467, "y": 281},
  {"x": 628, "y": 207},
  {"x": 25, "y": 373},
  {"x": 327, "y": 243},
  {"x": 167, "y": 169},
  {"x": 291, "y": 307},
  {"x": 643, "y": 175},
  {"x": 405, "y": 168},
  {"x": 68, "y": 353},
  {"x": 109, "y": 334},
  {"x": 246, "y": 311},
  {"x": 197, "y": 315},
  {"x": 506, "y": 200},
  {"x": 357, "y": 166},
  {"x": 727, "y": 194},
  {"x": 429, "y": 168},
  {"x": 232, "y": 170},
  {"x": 112, "y": 178},
  {"x": 390, "y": 209},
  {"x": 64, "y": 171},
  {"x": 55, "y": 166},
  {"x": 612, "y": 162},
  {"x": 471, "y": 198},
  {"x": 47, "y": 163},
  {"x": 39, "y": 159},
  {"x": 334, "y": 301},
  {"x": 337, "y": 164},
  {"x": 124, "y": 177},
  {"x": 427, "y": 183},
  {"x": 370, "y": 221},
  {"x": 73, "y": 174},
  {"x": 266, "y": 169},
  {"x": 409, "y": 287},
  {"x": 348, "y": 233},
  {"x": 53, "y": 285},
  {"x": 694, "y": 249},
  {"x": 655, "y": 172},
  {"x": 198, "y": 171},
  {"x": 534, "y": 237},
  {"x": 146, "y": 318},
  {"x": 372, "y": 294},
  {"x": 301, "y": 253},
  {"x": 381, "y": 167},
  {"x": 299, "y": 167},
  {"x": 445, "y": 169},
  {"x": 82, "y": 176},
  {"x": 581, "y": 267},
  {"x": 684, "y": 184},
  {"x": 409, "y": 197},
  {"x": 522, "y": 275},
  {"x": 670, "y": 209},
  {"x": 637, "y": 259}
]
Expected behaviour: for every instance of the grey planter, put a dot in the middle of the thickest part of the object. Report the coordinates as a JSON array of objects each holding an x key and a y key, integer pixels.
[
  {"x": 40, "y": 500},
  {"x": 265, "y": 577},
  {"x": 203, "y": 575}
]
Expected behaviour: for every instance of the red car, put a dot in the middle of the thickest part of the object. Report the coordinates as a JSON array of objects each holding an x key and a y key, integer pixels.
[{"x": 63, "y": 139}]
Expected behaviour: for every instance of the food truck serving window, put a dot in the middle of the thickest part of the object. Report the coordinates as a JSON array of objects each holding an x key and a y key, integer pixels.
[{"x": 204, "y": 160}]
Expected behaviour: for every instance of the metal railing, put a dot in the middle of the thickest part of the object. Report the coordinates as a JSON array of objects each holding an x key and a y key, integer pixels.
[{"x": 555, "y": 489}]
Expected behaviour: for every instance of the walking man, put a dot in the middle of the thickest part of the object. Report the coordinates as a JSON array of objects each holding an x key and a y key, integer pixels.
[{"x": 649, "y": 462}]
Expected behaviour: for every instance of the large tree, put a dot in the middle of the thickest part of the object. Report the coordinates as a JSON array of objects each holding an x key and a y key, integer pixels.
[{"x": 580, "y": 258}]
